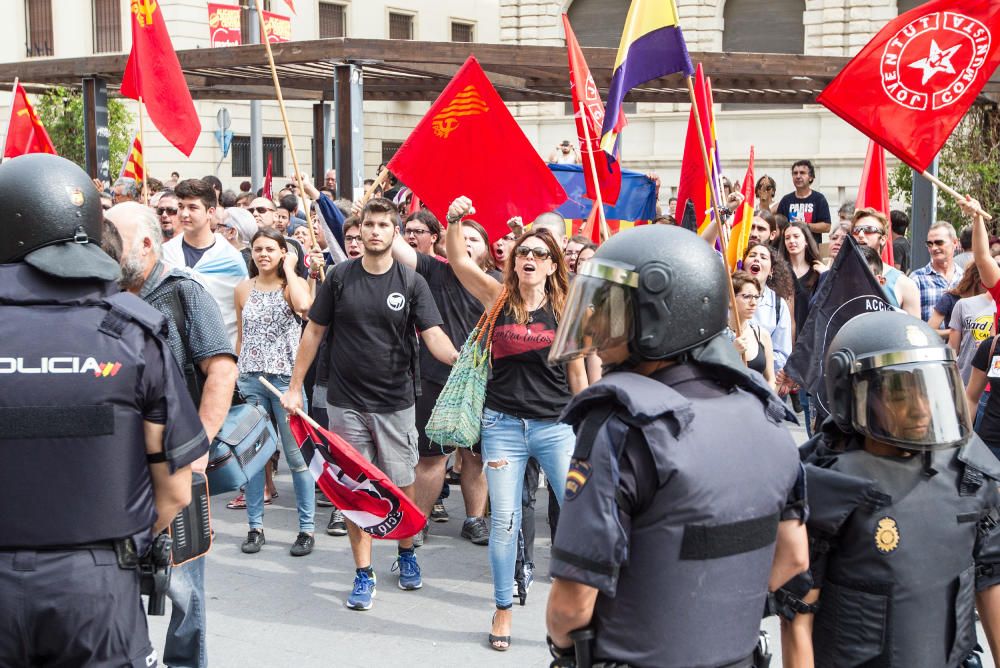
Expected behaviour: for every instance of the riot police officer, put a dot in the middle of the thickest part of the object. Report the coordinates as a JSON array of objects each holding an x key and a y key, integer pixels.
[
  {"x": 903, "y": 509},
  {"x": 683, "y": 500},
  {"x": 96, "y": 429}
]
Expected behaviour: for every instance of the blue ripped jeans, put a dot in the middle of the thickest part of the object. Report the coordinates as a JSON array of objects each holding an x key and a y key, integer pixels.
[
  {"x": 508, "y": 442},
  {"x": 302, "y": 479}
]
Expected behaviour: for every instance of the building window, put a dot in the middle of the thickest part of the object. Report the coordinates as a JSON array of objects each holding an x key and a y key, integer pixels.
[
  {"x": 389, "y": 149},
  {"x": 245, "y": 15},
  {"x": 749, "y": 30},
  {"x": 332, "y": 20},
  {"x": 462, "y": 32},
  {"x": 107, "y": 26},
  {"x": 400, "y": 26},
  {"x": 273, "y": 146},
  {"x": 38, "y": 19},
  {"x": 904, "y": 6},
  {"x": 598, "y": 22}
]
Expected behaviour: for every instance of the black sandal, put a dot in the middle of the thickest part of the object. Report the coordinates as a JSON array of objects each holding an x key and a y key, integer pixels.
[{"x": 499, "y": 639}]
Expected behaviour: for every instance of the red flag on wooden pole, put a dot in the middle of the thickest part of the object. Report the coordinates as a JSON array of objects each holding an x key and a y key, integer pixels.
[
  {"x": 25, "y": 133},
  {"x": 153, "y": 76},
  {"x": 267, "y": 179},
  {"x": 874, "y": 191},
  {"x": 469, "y": 144}
]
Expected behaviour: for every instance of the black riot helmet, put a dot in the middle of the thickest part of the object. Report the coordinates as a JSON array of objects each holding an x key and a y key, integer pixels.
[
  {"x": 891, "y": 377},
  {"x": 51, "y": 218},
  {"x": 660, "y": 289}
]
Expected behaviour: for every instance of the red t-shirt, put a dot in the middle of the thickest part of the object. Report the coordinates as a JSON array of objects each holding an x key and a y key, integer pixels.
[{"x": 995, "y": 293}]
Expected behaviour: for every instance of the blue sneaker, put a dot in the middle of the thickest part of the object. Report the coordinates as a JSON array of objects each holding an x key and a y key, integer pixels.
[
  {"x": 409, "y": 571},
  {"x": 364, "y": 592}
]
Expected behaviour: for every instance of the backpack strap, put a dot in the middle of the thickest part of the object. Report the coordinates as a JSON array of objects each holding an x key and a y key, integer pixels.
[
  {"x": 409, "y": 276},
  {"x": 192, "y": 374}
]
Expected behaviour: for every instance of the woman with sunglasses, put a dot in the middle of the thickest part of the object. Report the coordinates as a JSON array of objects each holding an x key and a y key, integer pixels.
[
  {"x": 524, "y": 395},
  {"x": 754, "y": 345},
  {"x": 765, "y": 190}
]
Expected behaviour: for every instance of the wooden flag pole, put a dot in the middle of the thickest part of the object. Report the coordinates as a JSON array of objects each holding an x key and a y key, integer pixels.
[
  {"x": 599, "y": 203},
  {"x": 379, "y": 182},
  {"x": 951, "y": 191},
  {"x": 715, "y": 204},
  {"x": 284, "y": 120},
  {"x": 301, "y": 413},
  {"x": 142, "y": 142}
]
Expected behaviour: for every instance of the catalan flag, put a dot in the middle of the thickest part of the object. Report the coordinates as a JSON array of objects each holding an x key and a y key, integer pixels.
[
  {"x": 134, "y": 165},
  {"x": 652, "y": 46},
  {"x": 740, "y": 236}
]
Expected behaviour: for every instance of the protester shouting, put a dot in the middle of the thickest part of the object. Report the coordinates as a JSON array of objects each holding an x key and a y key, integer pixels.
[
  {"x": 525, "y": 395},
  {"x": 267, "y": 340},
  {"x": 773, "y": 313},
  {"x": 373, "y": 305},
  {"x": 460, "y": 311}
]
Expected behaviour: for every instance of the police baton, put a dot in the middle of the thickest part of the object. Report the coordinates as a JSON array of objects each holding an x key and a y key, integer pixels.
[{"x": 583, "y": 644}]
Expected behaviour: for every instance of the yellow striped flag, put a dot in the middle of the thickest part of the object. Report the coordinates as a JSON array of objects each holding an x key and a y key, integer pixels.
[
  {"x": 134, "y": 165},
  {"x": 740, "y": 235}
]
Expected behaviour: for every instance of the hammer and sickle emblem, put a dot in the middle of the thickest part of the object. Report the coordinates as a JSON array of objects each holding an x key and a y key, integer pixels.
[
  {"x": 144, "y": 10},
  {"x": 444, "y": 127}
]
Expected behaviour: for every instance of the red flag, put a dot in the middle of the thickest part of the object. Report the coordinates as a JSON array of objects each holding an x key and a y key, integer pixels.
[
  {"x": 356, "y": 486},
  {"x": 874, "y": 190},
  {"x": 584, "y": 90},
  {"x": 267, "y": 179},
  {"x": 478, "y": 150},
  {"x": 911, "y": 85},
  {"x": 25, "y": 133},
  {"x": 694, "y": 183},
  {"x": 134, "y": 166},
  {"x": 154, "y": 74},
  {"x": 743, "y": 218},
  {"x": 591, "y": 228},
  {"x": 291, "y": 6}
]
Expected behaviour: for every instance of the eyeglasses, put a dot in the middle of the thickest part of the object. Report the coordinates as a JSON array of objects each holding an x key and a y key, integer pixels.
[
  {"x": 867, "y": 229},
  {"x": 539, "y": 253},
  {"x": 352, "y": 239},
  {"x": 748, "y": 298},
  {"x": 412, "y": 230},
  {"x": 261, "y": 209},
  {"x": 172, "y": 210},
  {"x": 936, "y": 242}
]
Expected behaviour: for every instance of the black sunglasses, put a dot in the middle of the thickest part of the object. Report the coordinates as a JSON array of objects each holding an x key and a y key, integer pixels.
[
  {"x": 261, "y": 209},
  {"x": 166, "y": 209},
  {"x": 539, "y": 253},
  {"x": 936, "y": 242}
]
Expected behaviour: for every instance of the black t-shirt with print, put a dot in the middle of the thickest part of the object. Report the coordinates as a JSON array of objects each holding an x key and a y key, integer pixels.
[
  {"x": 989, "y": 428},
  {"x": 460, "y": 311},
  {"x": 523, "y": 384},
  {"x": 370, "y": 346},
  {"x": 812, "y": 209}
]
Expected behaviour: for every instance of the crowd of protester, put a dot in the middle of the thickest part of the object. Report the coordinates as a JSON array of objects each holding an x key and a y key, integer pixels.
[{"x": 238, "y": 276}]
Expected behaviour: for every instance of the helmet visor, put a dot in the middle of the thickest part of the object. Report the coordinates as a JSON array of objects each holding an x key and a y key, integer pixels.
[
  {"x": 919, "y": 406},
  {"x": 598, "y": 313}
]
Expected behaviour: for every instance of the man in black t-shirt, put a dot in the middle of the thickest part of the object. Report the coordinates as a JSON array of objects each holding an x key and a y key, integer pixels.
[
  {"x": 373, "y": 305},
  {"x": 806, "y": 205}
]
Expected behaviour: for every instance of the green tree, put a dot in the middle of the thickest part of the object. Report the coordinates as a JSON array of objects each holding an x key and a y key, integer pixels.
[
  {"x": 969, "y": 163},
  {"x": 61, "y": 111}
]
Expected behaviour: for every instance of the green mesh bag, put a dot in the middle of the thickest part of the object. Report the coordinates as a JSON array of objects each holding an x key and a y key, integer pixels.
[{"x": 458, "y": 412}]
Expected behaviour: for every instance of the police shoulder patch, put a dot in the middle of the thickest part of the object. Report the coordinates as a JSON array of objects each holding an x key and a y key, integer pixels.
[
  {"x": 886, "y": 535},
  {"x": 579, "y": 474}
]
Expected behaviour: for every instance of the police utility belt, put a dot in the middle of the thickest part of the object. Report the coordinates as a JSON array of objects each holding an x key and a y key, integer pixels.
[{"x": 580, "y": 654}]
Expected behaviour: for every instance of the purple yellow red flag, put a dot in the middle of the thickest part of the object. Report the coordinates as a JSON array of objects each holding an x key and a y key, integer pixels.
[
  {"x": 874, "y": 190},
  {"x": 475, "y": 145},
  {"x": 25, "y": 132},
  {"x": 739, "y": 237},
  {"x": 586, "y": 94},
  {"x": 153, "y": 75},
  {"x": 134, "y": 166},
  {"x": 652, "y": 46}
]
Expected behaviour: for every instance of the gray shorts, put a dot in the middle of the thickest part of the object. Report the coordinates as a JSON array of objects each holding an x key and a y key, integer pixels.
[{"x": 388, "y": 440}]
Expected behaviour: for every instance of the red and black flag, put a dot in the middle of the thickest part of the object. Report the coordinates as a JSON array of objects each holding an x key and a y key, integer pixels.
[{"x": 356, "y": 486}]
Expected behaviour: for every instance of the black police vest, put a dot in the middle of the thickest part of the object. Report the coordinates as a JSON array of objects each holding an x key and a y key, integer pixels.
[
  {"x": 73, "y": 466},
  {"x": 694, "y": 587},
  {"x": 898, "y": 588}
]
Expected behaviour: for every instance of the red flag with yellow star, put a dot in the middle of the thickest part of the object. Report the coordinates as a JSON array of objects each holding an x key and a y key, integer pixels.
[
  {"x": 25, "y": 133},
  {"x": 153, "y": 74}
]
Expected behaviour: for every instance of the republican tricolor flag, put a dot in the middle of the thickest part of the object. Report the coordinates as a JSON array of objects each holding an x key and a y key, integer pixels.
[
  {"x": 739, "y": 237},
  {"x": 652, "y": 46}
]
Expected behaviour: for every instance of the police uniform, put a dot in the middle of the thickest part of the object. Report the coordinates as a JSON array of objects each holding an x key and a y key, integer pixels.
[
  {"x": 83, "y": 367},
  {"x": 899, "y": 543},
  {"x": 680, "y": 478}
]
